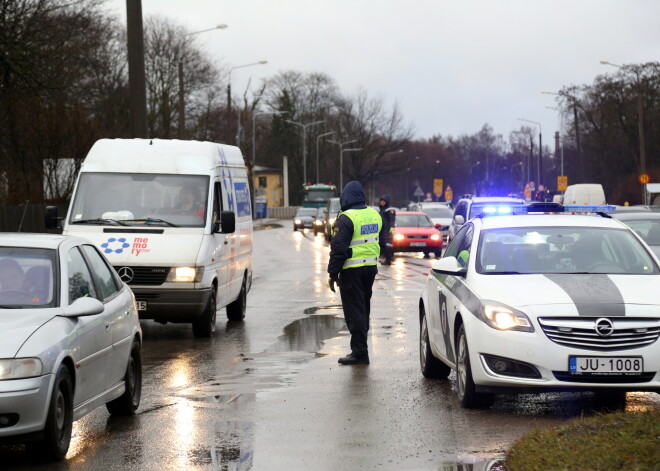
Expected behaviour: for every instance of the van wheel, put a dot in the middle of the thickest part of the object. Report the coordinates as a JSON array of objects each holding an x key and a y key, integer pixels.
[
  {"x": 236, "y": 309},
  {"x": 59, "y": 421},
  {"x": 204, "y": 325},
  {"x": 127, "y": 403}
]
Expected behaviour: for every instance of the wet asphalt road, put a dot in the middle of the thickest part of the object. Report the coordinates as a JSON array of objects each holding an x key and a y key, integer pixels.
[{"x": 267, "y": 393}]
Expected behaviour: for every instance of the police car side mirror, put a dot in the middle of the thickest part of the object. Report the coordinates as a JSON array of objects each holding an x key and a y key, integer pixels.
[
  {"x": 448, "y": 266},
  {"x": 458, "y": 219}
]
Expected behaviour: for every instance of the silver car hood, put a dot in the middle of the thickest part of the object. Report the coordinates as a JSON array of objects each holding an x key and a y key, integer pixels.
[{"x": 17, "y": 325}]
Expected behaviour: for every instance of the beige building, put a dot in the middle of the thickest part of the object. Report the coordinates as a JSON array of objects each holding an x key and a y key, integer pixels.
[{"x": 267, "y": 182}]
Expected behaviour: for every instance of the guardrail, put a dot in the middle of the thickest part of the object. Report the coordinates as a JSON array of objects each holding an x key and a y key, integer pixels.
[{"x": 282, "y": 212}]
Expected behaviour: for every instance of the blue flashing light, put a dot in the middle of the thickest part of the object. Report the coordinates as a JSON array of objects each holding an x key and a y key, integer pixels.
[{"x": 545, "y": 208}]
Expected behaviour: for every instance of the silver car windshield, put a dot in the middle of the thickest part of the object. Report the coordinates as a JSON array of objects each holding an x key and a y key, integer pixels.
[
  {"x": 527, "y": 250},
  {"x": 27, "y": 278},
  {"x": 130, "y": 199},
  {"x": 440, "y": 212}
]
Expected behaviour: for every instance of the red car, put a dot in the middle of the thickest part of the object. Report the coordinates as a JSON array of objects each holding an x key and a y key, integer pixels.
[{"x": 415, "y": 232}]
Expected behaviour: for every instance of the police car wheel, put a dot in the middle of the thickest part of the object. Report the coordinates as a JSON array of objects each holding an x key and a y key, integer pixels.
[
  {"x": 431, "y": 367},
  {"x": 465, "y": 387}
]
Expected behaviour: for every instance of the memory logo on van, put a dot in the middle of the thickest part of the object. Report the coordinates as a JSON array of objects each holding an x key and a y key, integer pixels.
[
  {"x": 140, "y": 244},
  {"x": 113, "y": 245}
]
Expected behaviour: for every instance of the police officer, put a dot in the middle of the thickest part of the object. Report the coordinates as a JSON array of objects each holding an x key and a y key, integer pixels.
[
  {"x": 388, "y": 215},
  {"x": 354, "y": 252}
]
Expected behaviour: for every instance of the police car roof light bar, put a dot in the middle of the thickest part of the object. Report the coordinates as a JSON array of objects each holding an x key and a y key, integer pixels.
[{"x": 546, "y": 208}]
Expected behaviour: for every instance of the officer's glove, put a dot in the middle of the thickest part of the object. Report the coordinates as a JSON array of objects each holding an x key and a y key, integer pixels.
[{"x": 332, "y": 281}]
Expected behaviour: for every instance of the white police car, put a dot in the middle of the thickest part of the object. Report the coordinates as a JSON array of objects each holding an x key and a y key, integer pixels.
[{"x": 542, "y": 301}]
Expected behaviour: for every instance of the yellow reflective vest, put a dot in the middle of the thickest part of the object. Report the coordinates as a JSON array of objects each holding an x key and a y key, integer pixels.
[{"x": 364, "y": 244}]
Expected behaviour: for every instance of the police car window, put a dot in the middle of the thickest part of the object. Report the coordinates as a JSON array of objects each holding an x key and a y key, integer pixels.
[
  {"x": 461, "y": 209},
  {"x": 526, "y": 250},
  {"x": 457, "y": 243}
]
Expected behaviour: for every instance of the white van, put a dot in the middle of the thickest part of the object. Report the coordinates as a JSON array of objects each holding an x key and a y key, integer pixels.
[
  {"x": 174, "y": 218},
  {"x": 584, "y": 193}
]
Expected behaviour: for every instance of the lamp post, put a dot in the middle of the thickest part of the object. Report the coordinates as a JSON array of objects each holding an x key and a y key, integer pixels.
[
  {"x": 539, "y": 168},
  {"x": 577, "y": 128},
  {"x": 471, "y": 174},
  {"x": 304, "y": 142},
  {"x": 640, "y": 124},
  {"x": 317, "y": 152},
  {"x": 561, "y": 149},
  {"x": 182, "y": 111},
  {"x": 229, "y": 85},
  {"x": 341, "y": 159}
]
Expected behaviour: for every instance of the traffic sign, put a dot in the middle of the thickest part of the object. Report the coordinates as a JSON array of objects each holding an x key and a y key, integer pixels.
[
  {"x": 437, "y": 186},
  {"x": 449, "y": 194},
  {"x": 532, "y": 185},
  {"x": 562, "y": 182},
  {"x": 644, "y": 178}
]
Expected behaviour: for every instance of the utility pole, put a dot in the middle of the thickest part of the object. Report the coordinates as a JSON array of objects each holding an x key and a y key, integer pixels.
[{"x": 137, "y": 89}]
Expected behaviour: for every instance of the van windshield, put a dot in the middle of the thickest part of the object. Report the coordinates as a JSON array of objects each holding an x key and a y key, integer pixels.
[{"x": 137, "y": 199}]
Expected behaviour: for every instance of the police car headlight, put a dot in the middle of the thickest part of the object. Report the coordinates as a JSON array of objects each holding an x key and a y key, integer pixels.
[
  {"x": 18, "y": 368},
  {"x": 502, "y": 317},
  {"x": 185, "y": 274},
  {"x": 435, "y": 237},
  {"x": 399, "y": 237}
]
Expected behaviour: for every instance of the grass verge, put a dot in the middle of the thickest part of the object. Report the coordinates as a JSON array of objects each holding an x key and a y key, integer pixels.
[{"x": 618, "y": 441}]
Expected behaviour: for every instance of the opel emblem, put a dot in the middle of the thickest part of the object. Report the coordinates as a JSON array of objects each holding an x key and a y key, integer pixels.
[
  {"x": 604, "y": 327},
  {"x": 126, "y": 274}
]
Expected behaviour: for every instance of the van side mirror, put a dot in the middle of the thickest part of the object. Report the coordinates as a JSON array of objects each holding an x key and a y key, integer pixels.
[
  {"x": 51, "y": 218},
  {"x": 458, "y": 219},
  {"x": 227, "y": 223}
]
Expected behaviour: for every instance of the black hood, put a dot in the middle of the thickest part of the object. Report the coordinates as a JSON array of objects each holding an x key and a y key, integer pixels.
[
  {"x": 388, "y": 201},
  {"x": 352, "y": 197}
]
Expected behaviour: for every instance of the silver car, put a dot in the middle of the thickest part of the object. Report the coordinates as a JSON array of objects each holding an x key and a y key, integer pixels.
[{"x": 70, "y": 339}]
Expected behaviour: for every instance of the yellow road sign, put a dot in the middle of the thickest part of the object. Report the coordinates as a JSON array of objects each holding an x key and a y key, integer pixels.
[
  {"x": 562, "y": 182},
  {"x": 437, "y": 186}
]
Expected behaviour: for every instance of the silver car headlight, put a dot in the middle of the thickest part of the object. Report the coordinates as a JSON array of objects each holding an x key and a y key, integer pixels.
[
  {"x": 185, "y": 274},
  {"x": 502, "y": 317},
  {"x": 19, "y": 368}
]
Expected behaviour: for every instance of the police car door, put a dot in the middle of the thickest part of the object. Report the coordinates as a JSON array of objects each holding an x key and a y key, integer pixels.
[{"x": 450, "y": 291}]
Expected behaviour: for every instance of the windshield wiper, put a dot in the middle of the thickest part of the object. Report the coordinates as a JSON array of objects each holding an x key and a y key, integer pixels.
[
  {"x": 112, "y": 222},
  {"x": 152, "y": 221},
  {"x": 504, "y": 273}
]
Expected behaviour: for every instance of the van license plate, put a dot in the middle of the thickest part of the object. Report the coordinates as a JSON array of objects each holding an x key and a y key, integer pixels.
[
  {"x": 605, "y": 365},
  {"x": 418, "y": 244},
  {"x": 141, "y": 305}
]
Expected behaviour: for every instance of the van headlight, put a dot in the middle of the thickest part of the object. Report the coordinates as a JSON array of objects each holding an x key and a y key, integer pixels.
[
  {"x": 19, "y": 368},
  {"x": 502, "y": 317},
  {"x": 185, "y": 274}
]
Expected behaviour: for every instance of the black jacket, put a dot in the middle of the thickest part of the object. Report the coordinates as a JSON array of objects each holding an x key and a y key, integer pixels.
[
  {"x": 388, "y": 215},
  {"x": 352, "y": 197}
]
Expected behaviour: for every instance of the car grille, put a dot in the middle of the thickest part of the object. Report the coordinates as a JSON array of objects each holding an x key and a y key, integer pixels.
[
  {"x": 146, "y": 276},
  {"x": 417, "y": 237},
  {"x": 626, "y": 333}
]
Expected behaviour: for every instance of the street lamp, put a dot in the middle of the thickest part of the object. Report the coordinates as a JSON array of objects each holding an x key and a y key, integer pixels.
[
  {"x": 577, "y": 128},
  {"x": 640, "y": 123},
  {"x": 317, "y": 152},
  {"x": 182, "y": 112},
  {"x": 539, "y": 169},
  {"x": 304, "y": 142},
  {"x": 561, "y": 125},
  {"x": 254, "y": 139},
  {"x": 229, "y": 85},
  {"x": 341, "y": 159}
]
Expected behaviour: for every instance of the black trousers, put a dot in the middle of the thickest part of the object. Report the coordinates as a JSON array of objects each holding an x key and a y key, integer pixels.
[
  {"x": 355, "y": 285},
  {"x": 386, "y": 251}
]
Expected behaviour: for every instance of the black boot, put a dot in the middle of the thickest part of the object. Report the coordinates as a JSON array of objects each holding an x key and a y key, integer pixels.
[{"x": 353, "y": 360}]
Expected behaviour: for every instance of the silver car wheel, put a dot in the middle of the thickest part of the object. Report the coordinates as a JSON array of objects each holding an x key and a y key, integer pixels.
[{"x": 461, "y": 367}]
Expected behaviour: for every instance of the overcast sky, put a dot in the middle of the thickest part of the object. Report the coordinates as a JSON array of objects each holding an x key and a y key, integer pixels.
[{"x": 451, "y": 66}]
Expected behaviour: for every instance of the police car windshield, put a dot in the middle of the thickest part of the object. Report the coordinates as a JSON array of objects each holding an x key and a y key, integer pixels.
[
  {"x": 568, "y": 250},
  {"x": 413, "y": 220},
  {"x": 137, "y": 199}
]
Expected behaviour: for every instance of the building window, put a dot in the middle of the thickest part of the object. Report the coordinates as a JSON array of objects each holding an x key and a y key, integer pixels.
[{"x": 262, "y": 182}]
